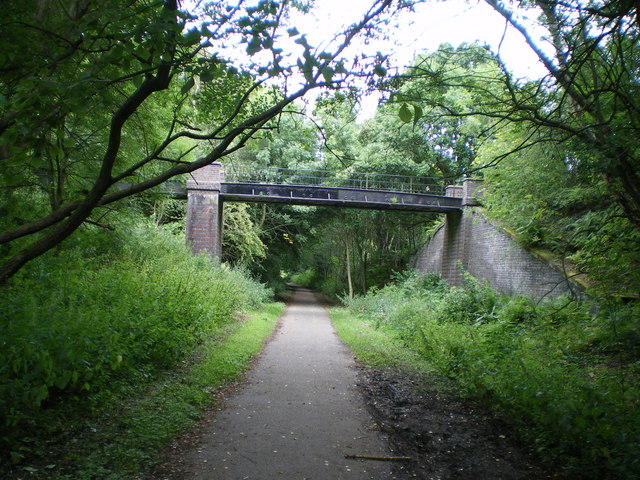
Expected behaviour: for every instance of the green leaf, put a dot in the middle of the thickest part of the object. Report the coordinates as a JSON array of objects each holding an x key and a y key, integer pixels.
[
  {"x": 327, "y": 73},
  {"x": 405, "y": 114},
  {"x": 187, "y": 86},
  {"x": 340, "y": 68},
  {"x": 267, "y": 43},
  {"x": 206, "y": 76},
  {"x": 307, "y": 70},
  {"x": 303, "y": 41},
  {"x": 63, "y": 380},
  {"x": 417, "y": 114},
  {"x": 255, "y": 45},
  {"x": 192, "y": 37},
  {"x": 274, "y": 71},
  {"x": 379, "y": 70},
  {"x": 293, "y": 31}
]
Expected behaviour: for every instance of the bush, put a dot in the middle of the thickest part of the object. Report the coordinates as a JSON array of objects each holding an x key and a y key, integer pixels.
[
  {"x": 306, "y": 278},
  {"x": 77, "y": 322},
  {"x": 566, "y": 376}
]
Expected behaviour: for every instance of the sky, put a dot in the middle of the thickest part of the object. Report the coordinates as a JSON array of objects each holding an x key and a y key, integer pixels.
[{"x": 434, "y": 22}]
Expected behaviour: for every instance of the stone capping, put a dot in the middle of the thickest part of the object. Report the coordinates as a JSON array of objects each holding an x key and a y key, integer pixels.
[
  {"x": 453, "y": 191},
  {"x": 469, "y": 188},
  {"x": 204, "y": 187}
]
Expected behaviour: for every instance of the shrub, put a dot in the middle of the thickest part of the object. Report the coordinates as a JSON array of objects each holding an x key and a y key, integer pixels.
[
  {"x": 306, "y": 278},
  {"x": 77, "y": 322},
  {"x": 565, "y": 373}
]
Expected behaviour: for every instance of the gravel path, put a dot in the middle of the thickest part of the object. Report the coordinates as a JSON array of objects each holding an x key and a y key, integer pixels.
[{"x": 298, "y": 414}]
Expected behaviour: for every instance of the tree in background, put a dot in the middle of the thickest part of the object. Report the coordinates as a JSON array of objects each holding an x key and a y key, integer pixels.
[
  {"x": 422, "y": 117},
  {"x": 582, "y": 116},
  {"x": 334, "y": 250},
  {"x": 336, "y": 117},
  {"x": 97, "y": 106},
  {"x": 355, "y": 250}
]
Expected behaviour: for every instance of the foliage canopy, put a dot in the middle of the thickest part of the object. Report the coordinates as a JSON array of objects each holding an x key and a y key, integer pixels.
[{"x": 97, "y": 101}]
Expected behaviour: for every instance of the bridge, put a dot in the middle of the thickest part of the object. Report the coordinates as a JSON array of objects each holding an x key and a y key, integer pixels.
[
  {"x": 326, "y": 188},
  {"x": 465, "y": 239},
  {"x": 209, "y": 187}
]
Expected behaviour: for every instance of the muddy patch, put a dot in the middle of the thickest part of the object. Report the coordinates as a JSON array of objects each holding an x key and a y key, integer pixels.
[{"x": 446, "y": 437}]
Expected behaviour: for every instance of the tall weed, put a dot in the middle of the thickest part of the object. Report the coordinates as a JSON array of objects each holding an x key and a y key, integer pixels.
[
  {"x": 77, "y": 322},
  {"x": 566, "y": 376}
]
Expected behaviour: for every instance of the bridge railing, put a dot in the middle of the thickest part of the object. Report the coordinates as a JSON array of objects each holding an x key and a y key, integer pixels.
[{"x": 327, "y": 178}]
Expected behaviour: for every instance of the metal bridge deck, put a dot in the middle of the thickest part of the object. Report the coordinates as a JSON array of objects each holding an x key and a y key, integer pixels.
[{"x": 337, "y": 196}]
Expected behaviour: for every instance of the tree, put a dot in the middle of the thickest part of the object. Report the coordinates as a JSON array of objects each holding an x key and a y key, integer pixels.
[
  {"x": 292, "y": 144},
  {"x": 241, "y": 241},
  {"x": 588, "y": 101},
  {"x": 593, "y": 71},
  {"x": 430, "y": 147},
  {"x": 96, "y": 101},
  {"x": 353, "y": 250},
  {"x": 336, "y": 114}
]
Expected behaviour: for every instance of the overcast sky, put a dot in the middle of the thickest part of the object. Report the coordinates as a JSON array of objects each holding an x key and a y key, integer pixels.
[{"x": 433, "y": 23}]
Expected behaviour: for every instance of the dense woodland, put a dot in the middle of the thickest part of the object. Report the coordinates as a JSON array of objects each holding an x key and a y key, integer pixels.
[{"x": 102, "y": 103}]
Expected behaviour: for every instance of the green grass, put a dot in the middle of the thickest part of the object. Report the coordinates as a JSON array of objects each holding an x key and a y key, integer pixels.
[
  {"x": 119, "y": 442},
  {"x": 565, "y": 375},
  {"x": 376, "y": 347}
]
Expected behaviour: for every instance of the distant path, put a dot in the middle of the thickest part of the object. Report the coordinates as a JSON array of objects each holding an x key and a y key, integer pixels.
[{"x": 298, "y": 414}]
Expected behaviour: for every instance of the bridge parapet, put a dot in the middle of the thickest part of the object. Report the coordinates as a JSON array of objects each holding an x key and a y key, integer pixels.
[
  {"x": 325, "y": 178},
  {"x": 454, "y": 191},
  {"x": 470, "y": 197},
  {"x": 206, "y": 177}
]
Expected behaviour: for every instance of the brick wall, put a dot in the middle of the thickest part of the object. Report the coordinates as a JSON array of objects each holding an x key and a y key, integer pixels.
[
  {"x": 429, "y": 259},
  {"x": 488, "y": 253},
  {"x": 204, "y": 211}
]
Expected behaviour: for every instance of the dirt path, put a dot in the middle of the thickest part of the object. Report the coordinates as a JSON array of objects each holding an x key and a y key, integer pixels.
[
  {"x": 298, "y": 414},
  {"x": 447, "y": 437}
]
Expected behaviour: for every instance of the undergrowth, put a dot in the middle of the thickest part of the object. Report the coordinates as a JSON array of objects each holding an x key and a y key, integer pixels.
[
  {"x": 566, "y": 374},
  {"x": 111, "y": 311},
  {"x": 125, "y": 436}
]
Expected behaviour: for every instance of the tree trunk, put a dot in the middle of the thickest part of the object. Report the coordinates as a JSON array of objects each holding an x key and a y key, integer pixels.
[
  {"x": 348, "y": 267},
  {"x": 363, "y": 270}
]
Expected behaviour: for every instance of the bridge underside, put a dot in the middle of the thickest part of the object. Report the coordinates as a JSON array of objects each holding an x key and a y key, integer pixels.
[{"x": 338, "y": 197}]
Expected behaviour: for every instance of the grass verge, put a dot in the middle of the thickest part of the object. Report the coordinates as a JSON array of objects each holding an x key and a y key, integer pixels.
[
  {"x": 375, "y": 347},
  {"x": 119, "y": 442}
]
